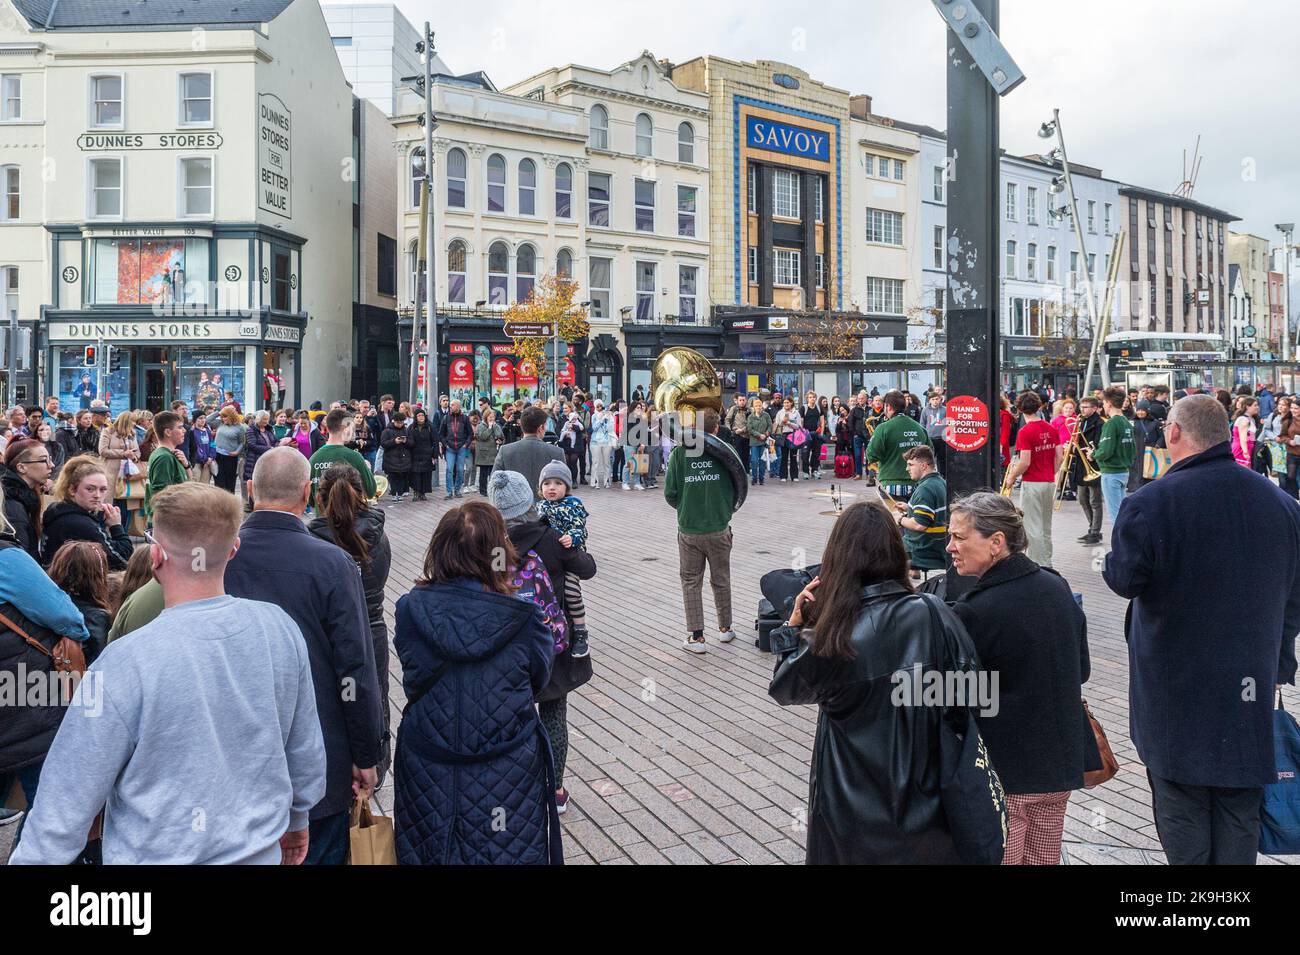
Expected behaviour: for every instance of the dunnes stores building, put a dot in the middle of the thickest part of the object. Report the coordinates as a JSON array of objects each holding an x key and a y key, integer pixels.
[{"x": 183, "y": 195}]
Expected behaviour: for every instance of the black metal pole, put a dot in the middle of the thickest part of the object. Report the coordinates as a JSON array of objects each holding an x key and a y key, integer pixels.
[{"x": 974, "y": 294}]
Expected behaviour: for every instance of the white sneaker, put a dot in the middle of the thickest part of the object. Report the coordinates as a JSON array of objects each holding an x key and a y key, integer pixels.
[
  {"x": 695, "y": 646},
  {"x": 627, "y": 487},
  {"x": 726, "y": 636},
  {"x": 782, "y": 480},
  {"x": 638, "y": 487}
]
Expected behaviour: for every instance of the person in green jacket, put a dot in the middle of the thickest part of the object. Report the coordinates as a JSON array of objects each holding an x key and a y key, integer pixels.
[
  {"x": 1115, "y": 450},
  {"x": 699, "y": 487},
  {"x": 893, "y": 438},
  {"x": 758, "y": 426},
  {"x": 167, "y": 464}
]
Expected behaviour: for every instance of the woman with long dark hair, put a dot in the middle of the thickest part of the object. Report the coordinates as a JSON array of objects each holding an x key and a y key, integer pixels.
[
  {"x": 80, "y": 569},
  {"x": 874, "y": 790},
  {"x": 346, "y": 518},
  {"x": 471, "y": 750}
]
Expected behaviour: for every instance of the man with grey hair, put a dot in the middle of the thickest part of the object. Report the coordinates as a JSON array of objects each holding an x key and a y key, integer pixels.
[
  {"x": 1203, "y": 673},
  {"x": 319, "y": 586}
]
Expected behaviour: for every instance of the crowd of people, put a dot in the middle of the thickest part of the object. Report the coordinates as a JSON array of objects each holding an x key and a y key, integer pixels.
[{"x": 278, "y": 583}]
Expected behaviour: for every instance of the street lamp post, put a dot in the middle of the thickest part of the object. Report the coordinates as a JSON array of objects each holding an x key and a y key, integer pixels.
[{"x": 1286, "y": 228}]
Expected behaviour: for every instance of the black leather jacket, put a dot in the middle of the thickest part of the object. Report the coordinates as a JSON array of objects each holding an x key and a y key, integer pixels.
[{"x": 874, "y": 787}]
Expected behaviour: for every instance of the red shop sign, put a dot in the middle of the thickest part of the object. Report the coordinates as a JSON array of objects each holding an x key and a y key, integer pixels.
[
  {"x": 503, "y": 372},
  {"x": 968, "y": 423},
  {"x": 503, "y": 349},
  {"x": 456, "y": 349},
  {"x": 526, "y": 375},
  {"x": 462, "y": 373}
]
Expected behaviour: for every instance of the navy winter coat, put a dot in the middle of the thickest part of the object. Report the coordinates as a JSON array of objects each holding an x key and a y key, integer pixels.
[
  {"x": 1209, "y": 555},
  {"x": 257, "y": 444},
  {"x": 473, "y": 776}
]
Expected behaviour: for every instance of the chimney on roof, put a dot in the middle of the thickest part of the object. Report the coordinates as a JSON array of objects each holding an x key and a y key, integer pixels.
[{"x": 860, "y": 106}]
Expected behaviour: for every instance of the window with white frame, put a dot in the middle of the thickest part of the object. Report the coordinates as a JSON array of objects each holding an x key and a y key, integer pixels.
[
  {"x": 687, "y": 275},
  {"x": 938, "y": 247},
  {"x": 106, "y": 101},
  {"x": 751, "y": 193},
  {"x": 11, "y": 96},
  {"x": 645, "y": 134},
  {"x": 898, "y": 169},
  {"x": 498, "y": 274},
  {"x": 885, "y": 296},
  {"x": 196, "y": 186},
  {"x": 646, "y": 282},
  {"x": 564, "y": 264},
  {"x": 11, "y": 295},
  {"x": 1011, "y": 258},
  {"x": 1011, "y": 201},
  {"x": 884, "y": 227},
  {"x": 686, "y": 210},
  {"x": 599, "y": 271},
  {"x": 456, "y": 256},
  {"x": 685, "y": 143},
  {"x": 105, "y": 188},
  {"x": 1018, "y": 326},
  {"x": 1031, "y": 205},
  {"x": 196, "y": 99},
  {"x": 1074, "y": 269},
  {"x": 496, "y": 183},
  {"x": 818, "y": 192},
  {"x": 883, "y": 167},
  {"x": 1051, "y": 263},
  {"x": 644, "y": 199},
  {"x": 819, "y": 266},
  {"x": 10, "y": 182},
  {"x": 1031, "y": 261},
  {"x": 788, "y": 266},
  {"x": 869, "y": 163},
  {"x": 753, "y": 265},
  {"x": 1092, "y": 216},
  {"x": 564, "y": 191},
  {"x": 938, "y": 184},
  {"x": 417, "y": 175},
  {"x": 786, "y": 194},
  {"x": 598, "y": 198},
  {"x": 527, "y": 187},
  {"x": 525, "y": 272},
  {"x": 598, "y": 128},
  {"x": 457, "y": 166},
  {"x": 1106, "y": 218},
  {"x": 1092, "y": 264}
]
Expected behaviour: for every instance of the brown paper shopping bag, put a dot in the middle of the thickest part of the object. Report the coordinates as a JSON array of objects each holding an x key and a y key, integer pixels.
[{"x": 370, "y": 837}]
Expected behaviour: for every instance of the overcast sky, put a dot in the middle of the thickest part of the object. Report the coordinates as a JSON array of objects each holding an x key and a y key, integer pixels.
[{"x": 1136, "y": 80}]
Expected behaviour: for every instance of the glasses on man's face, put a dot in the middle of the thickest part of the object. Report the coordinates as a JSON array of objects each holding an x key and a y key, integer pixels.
[{"x": 154, "y": 541}]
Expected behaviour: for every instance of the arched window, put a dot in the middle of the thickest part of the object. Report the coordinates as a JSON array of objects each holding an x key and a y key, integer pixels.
[
  {"x": 496, "y": 183},
  {"x": 456, "y": 179},
  {"x": 456, "y": 272},
  {"x": 418, "y": 169},
  {"x": 598, "y": 137},
  {"x": 644, "y": 135},
  {"x": 685, "y": 143},
  {"x": 564, "y": 264},
  {"x": 564, "y": 191},
  {"x": 527, "y": 187},
  {"x": 525, "y": 271},
  {"x": 10, "y": 207},
  {"x": 498, "y": 273}
]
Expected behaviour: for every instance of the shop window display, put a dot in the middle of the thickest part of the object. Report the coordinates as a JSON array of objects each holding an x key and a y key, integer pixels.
[
  {"x": 78, "y": 385},
  {"x": 206, "y": 373},
  {"x": 150, "y": 271}
]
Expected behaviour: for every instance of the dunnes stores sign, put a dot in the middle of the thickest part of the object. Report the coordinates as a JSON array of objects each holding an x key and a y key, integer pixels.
[
  {"x": 274, "y": 155},
  {"x": 93, "y": 141},
  {"x": 763, "y": 133},
  {"x": 163, "y": 330}
]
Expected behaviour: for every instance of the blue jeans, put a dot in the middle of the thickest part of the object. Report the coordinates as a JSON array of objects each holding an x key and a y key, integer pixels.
[
  {"x": 756, "y": 462},
  {"x": 457, "y": 467},
  {"x": 775, "y": 467},
  {"x": 1112, "y": 492},
  {"x": 327, "y": 840},
  {"x": 857, "y": 454}
]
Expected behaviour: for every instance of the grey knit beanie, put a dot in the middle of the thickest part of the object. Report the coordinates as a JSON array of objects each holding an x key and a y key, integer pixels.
[
  {"x": 558, "y": 470},
  {"x": 509, "y": 493}
]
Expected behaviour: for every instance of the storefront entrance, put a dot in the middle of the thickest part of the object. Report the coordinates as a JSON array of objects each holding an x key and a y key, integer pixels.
[{"x": 157, "y": 385}]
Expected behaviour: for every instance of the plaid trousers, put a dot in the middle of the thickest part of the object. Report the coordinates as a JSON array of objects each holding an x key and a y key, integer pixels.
[
  {"x": 693, "y": 551},
  {"x": 1035, "y": 822}
]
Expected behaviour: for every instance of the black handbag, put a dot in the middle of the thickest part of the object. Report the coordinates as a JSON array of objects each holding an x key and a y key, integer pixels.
[{"x": 973, "y": 798}]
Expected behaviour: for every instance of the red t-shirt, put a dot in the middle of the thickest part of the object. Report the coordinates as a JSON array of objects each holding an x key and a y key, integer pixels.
[{"x": 1040, "y": 439}]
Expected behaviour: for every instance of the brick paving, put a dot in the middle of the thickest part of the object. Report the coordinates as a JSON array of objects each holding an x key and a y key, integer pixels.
[{"x": 684, "y": 759}]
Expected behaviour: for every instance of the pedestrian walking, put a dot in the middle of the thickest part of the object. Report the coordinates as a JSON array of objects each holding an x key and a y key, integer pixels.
[
  {"x": 1037, "y": 461},
  {"x": 1203, "y": 678}
]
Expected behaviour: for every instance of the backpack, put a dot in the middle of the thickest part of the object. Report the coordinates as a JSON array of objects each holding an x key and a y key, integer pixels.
[{"x": 534, "y": 584}]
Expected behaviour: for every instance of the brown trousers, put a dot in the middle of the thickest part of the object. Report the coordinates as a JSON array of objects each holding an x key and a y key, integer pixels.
[{"x": 694, "y": 551}]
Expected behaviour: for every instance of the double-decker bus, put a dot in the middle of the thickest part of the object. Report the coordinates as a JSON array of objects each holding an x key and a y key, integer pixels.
[{"x": 1177, "y": 359}]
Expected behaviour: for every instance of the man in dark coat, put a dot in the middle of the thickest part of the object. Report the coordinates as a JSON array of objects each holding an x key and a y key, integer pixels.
[
  {"x": 320, "y": 587},
  {"x": 531, "y": 453},
  {"x": 1203, "y": 666}
]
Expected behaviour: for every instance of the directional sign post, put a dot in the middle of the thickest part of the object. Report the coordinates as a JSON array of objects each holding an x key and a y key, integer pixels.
[{"x": 529, "y": 329}]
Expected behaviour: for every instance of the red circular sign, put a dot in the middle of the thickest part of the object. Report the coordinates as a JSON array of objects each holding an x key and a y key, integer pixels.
[
  {"x": 968, "y": 423},
  {"x": 462, "y": 372}
]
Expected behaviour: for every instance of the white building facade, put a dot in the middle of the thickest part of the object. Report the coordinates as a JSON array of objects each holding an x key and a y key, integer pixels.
[{"x": 375, "y": 45}]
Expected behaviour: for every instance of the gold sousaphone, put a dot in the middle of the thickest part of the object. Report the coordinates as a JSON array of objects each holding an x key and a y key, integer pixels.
[{"x": 683, "y": 381}]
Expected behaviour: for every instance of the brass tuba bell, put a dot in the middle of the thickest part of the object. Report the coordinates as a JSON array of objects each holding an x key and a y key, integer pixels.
[{"x": 683, "y": 380}]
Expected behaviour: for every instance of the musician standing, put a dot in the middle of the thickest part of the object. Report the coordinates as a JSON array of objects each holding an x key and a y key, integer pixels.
[
  {"x": 1115, "y": 451},
  {"x": 1038, "y": 457},
  {"x": 1089, "y": 490}
]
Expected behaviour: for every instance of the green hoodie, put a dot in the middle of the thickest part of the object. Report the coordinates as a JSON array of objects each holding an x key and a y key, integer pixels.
[
  {"x": 1115, "y": 448},
  {"x": 889, "y": 442},
  {"x": 700, "y": 488}
]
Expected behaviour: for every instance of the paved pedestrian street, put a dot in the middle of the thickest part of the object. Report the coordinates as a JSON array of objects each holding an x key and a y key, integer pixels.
[{"x": 676, "y": 758}]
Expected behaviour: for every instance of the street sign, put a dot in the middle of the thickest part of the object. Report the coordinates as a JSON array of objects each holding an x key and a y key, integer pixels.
[
  {"x": 1249, "y": 331},
  {"x": 529, "y": 329}
]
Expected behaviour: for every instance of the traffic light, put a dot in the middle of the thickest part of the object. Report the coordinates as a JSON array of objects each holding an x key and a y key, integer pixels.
[
  {"x": 91, "y": 357},
  {"x": 114, "y": 358}
]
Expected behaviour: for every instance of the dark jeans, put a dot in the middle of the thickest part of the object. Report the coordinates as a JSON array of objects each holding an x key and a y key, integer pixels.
[
  {"x": 756, "y": 463},
  {"x": 810, "y": 455},
  {"x": 327, "y": 840},
  {"x": 399, "y": 483},
  {"x": 858, "y": 445},
  {"x": 619, "y": 461},
  {"x": 789, "y": 464},
  {"x": 1090, "y": 501},
  {"x": 227, "y": 472},
  {"x": 484, "y": 472},
  {"x": 1206, "y": 825},
  {"x": 940, "y": 454}
]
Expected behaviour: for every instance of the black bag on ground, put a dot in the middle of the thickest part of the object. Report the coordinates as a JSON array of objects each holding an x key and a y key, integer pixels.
[
  {"x": 768, "y": 620},
  {"x": 779, "y": 588}
]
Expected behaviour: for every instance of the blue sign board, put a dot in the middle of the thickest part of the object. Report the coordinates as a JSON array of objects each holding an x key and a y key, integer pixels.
[{"x": 763, "y": 133}]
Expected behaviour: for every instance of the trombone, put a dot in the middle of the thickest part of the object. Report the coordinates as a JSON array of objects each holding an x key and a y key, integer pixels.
[
  {"x": 1081, "y": 446},
  {"x": 1008, "y": 482}
]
